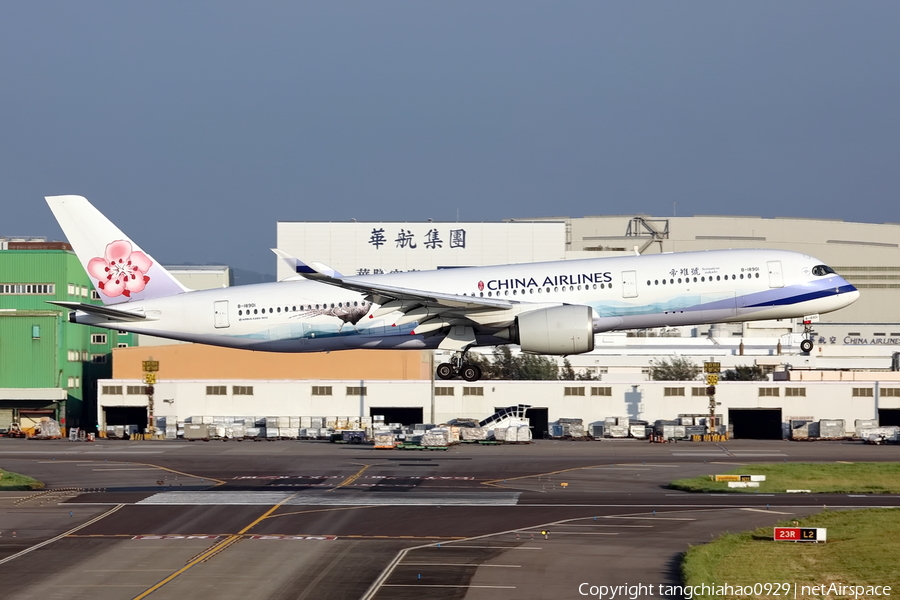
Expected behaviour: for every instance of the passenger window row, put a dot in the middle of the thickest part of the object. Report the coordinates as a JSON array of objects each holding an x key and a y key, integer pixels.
[
  {"x": 302, "y": 307},
  {"x": 673, "y": 281}
]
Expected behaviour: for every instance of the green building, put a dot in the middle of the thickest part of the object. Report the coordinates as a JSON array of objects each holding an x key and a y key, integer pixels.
[{"x": 48, "y": 366}]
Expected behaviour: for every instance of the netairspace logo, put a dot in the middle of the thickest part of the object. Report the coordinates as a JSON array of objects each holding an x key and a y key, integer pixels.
[{"x": 788, "y": 590}]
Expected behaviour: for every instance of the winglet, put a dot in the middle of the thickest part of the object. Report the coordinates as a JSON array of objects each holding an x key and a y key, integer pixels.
[{"x": 313, "y": 270}]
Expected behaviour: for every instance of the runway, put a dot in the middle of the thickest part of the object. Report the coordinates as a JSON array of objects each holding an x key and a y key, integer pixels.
[{"x": 318, "y": 520}]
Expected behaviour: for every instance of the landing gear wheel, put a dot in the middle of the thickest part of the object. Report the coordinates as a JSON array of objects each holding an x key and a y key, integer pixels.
[
  {"x": 445, "y": 371},
  {"x": 470, "y": 372},
  {"x": 806, "y": 346}
]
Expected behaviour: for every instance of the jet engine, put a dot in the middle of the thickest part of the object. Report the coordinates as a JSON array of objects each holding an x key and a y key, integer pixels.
[{"x": 566, "y": 329}]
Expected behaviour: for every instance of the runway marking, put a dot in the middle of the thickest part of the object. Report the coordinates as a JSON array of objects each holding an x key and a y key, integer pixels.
[
  {"x": 646, "y": 465},
  {"x": 212, "y": 551},
  {"x": 604, "y": 525},
  {"x": 325, "y": 498},
  {"x": 492, "y": 587},
  {"x": 494, "y": 482},
  {"x": 303, "y": 512},
  {"x": 763, "y": 510},
  {"x": 649, "y": 518},
  {"x": 404, "y": 537},
  {"x": 126, "y": 469},
  {"x": 724, "y": 449},
  {"x": 60, "y": 536},
  {"x": 574, "y": 532},
  {"x": 740, "y": 454},
  {"x": 698, "y": 454},
  {"x": 427, "y": 564},
  {"x": 351, "y": 479},
  {"x": 485, "y": 547}
]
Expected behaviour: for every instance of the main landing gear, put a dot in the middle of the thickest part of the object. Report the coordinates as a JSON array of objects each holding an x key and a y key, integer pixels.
[{"x": 459, "y": 367}]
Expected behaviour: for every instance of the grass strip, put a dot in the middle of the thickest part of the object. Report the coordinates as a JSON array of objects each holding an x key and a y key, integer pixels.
[
  {"x": 862, "y": 550},
  {"x": 837, "y": 478},
  {"x": 10, "y": 481}
]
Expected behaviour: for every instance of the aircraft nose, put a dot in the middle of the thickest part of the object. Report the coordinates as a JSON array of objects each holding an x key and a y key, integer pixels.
[{"x": 851, "y": 295}]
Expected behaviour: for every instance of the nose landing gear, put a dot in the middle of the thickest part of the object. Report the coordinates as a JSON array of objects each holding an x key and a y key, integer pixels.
[{"x": 459, "y": 367}]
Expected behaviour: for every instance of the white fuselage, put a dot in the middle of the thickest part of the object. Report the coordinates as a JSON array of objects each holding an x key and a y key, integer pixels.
[{"x": 624, "y": 293}]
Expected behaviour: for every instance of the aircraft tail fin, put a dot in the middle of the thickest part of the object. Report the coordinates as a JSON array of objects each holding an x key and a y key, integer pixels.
[{"x": 118, "y": 268}]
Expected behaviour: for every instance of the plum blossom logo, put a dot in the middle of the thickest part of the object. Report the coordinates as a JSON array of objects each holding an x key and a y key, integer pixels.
[
  {"x": 480, "y": 286},
  {"x": 121, "y": 272}
]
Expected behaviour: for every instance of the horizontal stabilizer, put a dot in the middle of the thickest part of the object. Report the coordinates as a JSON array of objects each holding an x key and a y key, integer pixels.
[{"x": 102, "y": 311}]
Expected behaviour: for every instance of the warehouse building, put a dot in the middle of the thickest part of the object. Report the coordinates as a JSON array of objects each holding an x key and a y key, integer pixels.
[
  {"x": 757, "y": 410},
  {"x": 50, "y": 367}
]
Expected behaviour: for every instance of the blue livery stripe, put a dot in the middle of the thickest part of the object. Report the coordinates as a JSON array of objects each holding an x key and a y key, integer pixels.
[{"x": 844, "y": 289}]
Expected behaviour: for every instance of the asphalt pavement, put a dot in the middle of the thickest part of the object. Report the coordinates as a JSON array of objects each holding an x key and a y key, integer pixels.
[{"x": 288, "y": 519}]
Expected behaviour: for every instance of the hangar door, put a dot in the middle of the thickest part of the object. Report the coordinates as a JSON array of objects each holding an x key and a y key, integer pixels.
[
  {"x": 398, "y": 414},
  {"x": 755, "y": 423},
  {"x": 888, "y": 416},
  {"x": 6, "y": 418},
  {"x": 126, "y": 415}
]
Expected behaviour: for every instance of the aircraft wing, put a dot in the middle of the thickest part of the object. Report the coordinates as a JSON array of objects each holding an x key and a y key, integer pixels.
[{"x": 385, "y": 294}]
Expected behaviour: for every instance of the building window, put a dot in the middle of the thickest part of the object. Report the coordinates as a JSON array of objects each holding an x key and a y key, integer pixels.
[
  {"x": 74, "y": 355},
  {"x": 242, "y": 390},
  {"x": 321, "y": 390},
  {"x": 768, "y": 391},
  {"x": 356, "y": 391},
  {"x": 112, "y": 390},
  {"x": 98, "y": 338},
  {"x": 216, "y": 390},
  {"x": 698, "y": 391},
  {"x": 74, "y": 382},
  {"x": 473, "y": 391},
  {"x": 890, "y": 392},
  {"x": 136, "y": 390},
  {"x": 601, "y": 391},
  {"x": 121, "y": 345},
  {"x": 673, "y": 391},
  {"x": 795, "y": 391},
  {"x": 443, "y": 391},
  {"x": 99, "y": 359},
  {"x": 863, "y": 392},
  {"x": 95, "y": 295},
  {"x": 31, "y": 289},
  {"x": 573, "y": 391}
]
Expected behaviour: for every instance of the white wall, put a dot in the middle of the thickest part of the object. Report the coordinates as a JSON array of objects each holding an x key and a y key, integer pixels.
[
  {"x": 823, "y": 400},
  {"x": 348, "y": 247}
]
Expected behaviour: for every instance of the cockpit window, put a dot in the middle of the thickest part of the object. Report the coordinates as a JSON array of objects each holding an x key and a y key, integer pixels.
[{"x": 821, "y": 270}]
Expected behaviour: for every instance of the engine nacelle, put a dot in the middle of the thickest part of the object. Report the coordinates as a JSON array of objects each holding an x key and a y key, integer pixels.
[{"x": 565, "y": 329}]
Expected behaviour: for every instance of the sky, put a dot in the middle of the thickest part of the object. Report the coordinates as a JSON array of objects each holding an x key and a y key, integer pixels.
[{"x": 196, "y": 126}]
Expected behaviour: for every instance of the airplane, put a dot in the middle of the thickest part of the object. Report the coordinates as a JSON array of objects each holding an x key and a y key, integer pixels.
[{"x": 552, "y": 308}]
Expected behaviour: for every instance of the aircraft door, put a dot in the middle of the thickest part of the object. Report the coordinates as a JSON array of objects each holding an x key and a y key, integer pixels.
[
  {"x": 629, "y": 284},
  {"x": 776, "y": 276},
  {"x": 220, "y": 309}
]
